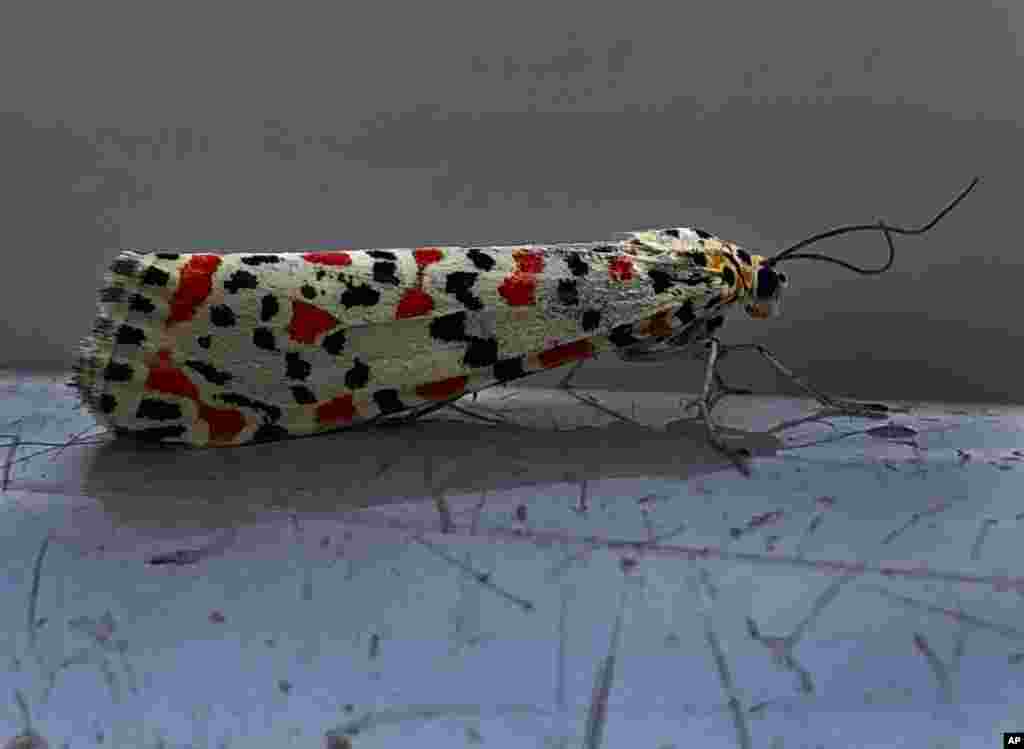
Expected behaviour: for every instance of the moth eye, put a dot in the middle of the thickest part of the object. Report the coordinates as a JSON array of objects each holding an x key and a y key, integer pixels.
[
  {"x": 767, "y": 283},
  {"x": 782, "y": 278}
]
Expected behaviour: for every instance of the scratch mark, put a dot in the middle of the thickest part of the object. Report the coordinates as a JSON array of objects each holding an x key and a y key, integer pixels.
[
  {"x": 33, "y": 595},
  {"x": 394, "y": 716},
  {"x": 934, "y": 509},
  {"x": 937, "y": 666},
  {"x": 958, "y": 615},
  {"x": 484, "y": 578},
  {"x": 12, "y": 450},
  {"x": 782, "y": 648},
  {"x": 706, "y": 596},
  {"x": 829, "y": 566},
  {"x": 374, "y": 646},
  {"x": 986, "y": 525},
  {"x": 597, "y": 714},
  {"x": 563, "y": 650}
]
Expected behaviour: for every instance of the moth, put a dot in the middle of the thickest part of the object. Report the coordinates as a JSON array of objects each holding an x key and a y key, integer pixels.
[{"x": 219, "y": 349}]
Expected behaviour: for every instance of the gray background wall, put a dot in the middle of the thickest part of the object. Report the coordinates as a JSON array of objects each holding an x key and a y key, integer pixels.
[{"x": 392, "y": 124}]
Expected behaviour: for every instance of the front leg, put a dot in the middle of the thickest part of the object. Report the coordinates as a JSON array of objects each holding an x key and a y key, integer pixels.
[
  {"x": 842, "y": 406},
  {"x": 739, "y": 456}
]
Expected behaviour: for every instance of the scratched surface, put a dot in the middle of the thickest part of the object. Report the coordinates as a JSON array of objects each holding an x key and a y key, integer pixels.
[{"x": 528, "y": 572}]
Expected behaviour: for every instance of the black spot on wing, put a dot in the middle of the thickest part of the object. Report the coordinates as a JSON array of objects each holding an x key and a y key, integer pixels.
[
  {"x": 155, "y": 277},
  {"x": 156, "y": 434},
  {"x": 270, "y": 433},
  {"x": 509, "y": 369},
  {"x": 334, "y": 343},
  {"x": 385, "y": 272},
  {"x": 729, "y": 276},
  {"x": 480, "y": 259},
  {"x": 382, "y": 255},
  {"x": 360, "y": 295},
  {"x": 125, "y": 266},
  {"x": 703, "y": 234},
  {"x": 241, "y": 279},
  {"x": 140, "y": 303},
  {"x": 112, "y": 294},
  {"x": 128, "y": 335},
  {"x": 158, "y": 410},
  {"x": 661, "y": 280},
  {"x": 622, "y": 335},
  {"x": 269, "y": 307},
  {"x": 296, "y": 368},
  {"x": 568, "y": 292},
  {"x": 261, "y": 260},
  {"x": 357, "y": 376},
  {"x": 460, "y": 285},
  {"x": 222, "y": 316},
  {"x": 269, "y": 410},
  {"x": 482, "y": 352},
  {"x": 209, "y": 372},
  {"x": 204, "y": 341},
  {"x": 168, "y": 255},
  {"x": 672, "y": 233},
  {"x": 308, "y": 291},
  {"x": 303, "y": 395},
  {"x": 590, "y": 319},
  {"x": 449, "y": 328},
  {"x": 107, "y": 403},
  {"x": 263, "y": 338},
  {"x": 117, "y": 372},
  {"x": 388, "y": 401},
  {"x": 577, "y": 266}
]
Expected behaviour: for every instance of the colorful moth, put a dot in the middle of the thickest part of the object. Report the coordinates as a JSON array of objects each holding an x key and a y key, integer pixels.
[{"x": 210, "y": 349}]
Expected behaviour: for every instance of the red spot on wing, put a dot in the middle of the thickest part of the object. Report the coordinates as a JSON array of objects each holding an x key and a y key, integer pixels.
[
  {"x": 309, "y": 321},
  {"x": 335, "y": 257},
  {"x": 443, "y": 389},
  {"x": 426, "y": 256},
  {"x": 164, "y": 377},
  {"x": 554, "y": 357},
  {"x": 528, "y": 262},
  {"x": 620, "y": 269},
  {"x": 519, "y": 289},
  {"x": 195, "y": 281},
  {"x": 414, "y": 302},
  {"x": 337, "y": 409},
  {"x": 224, "y": 423}
]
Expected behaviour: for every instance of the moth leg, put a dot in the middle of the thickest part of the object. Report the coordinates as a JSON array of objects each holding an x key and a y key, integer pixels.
[
  {"x": 738, "y": 455},
  {"x": 838, "y": 404},
  {"x": 722, "y": 389},
  {"x": 592, "y": 402}
]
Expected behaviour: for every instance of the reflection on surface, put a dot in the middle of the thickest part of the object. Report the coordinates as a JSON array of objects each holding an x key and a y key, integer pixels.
[{"x": 556, "y": 579}]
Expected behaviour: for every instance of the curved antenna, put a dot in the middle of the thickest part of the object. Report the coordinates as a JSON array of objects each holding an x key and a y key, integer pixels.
[{"x": 791, "y": 252}]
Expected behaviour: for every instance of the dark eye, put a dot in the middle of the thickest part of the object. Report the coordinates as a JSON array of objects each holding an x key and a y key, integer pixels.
[
  {"x": 782, "y": 278},
  {"x": 767, "y": 283}
]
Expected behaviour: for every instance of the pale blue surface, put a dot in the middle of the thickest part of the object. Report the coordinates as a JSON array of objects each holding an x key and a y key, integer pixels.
[{"x": 514, "y": 661}]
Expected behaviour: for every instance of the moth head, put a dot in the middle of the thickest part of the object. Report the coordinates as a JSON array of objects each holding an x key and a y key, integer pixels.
[{"x": 765, "y": 296}]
